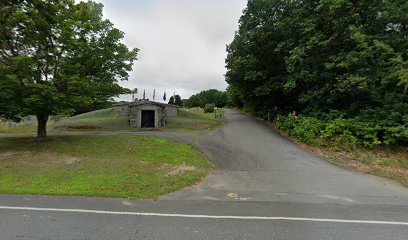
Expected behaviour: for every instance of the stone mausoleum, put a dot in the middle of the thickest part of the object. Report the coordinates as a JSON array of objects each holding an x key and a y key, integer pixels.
[{"x": 145, "y": 113}]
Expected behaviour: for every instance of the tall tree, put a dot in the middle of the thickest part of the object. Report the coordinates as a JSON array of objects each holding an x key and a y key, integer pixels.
[
  {"x": 57, "y": 57},
  {"x": 316, "y": 56},
  {"x": 211, "y": 96},
  {"x": 176, "y": 100}
]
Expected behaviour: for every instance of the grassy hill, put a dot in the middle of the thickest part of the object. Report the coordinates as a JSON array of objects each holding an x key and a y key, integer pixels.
[
  {"x": 105, "y": 120},
  {"x": 99, "y": 120},
  {"x": 192, "y": 120}
]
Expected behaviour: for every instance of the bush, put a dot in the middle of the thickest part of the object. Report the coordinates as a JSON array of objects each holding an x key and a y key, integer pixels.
[
  {"x": 346, "y": 133},
  {"x": 285, "y": 123},
  {"x": 306, "y": 129},
  {"x": 345, "y": 141},
  {"x": 334, "y": 127},
  {"x": 209, "y": 108}
]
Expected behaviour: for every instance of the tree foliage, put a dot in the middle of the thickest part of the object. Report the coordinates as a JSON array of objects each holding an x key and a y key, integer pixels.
[
  {"x": 315, "y": 57},
  {"x": 176, "y": 100},
  {"x": 212, "y": 96},
  {"x": 58, "y": 57}
]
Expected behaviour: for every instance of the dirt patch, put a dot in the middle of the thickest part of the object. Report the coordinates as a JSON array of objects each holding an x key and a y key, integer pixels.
[
  {"x": 79, "y": 127},
  {"x": 13, "y": 154},
  {"x": 38, "y": 159},
  {"x": 70, "y": 160},
  {"x": 180, "y": 169}
]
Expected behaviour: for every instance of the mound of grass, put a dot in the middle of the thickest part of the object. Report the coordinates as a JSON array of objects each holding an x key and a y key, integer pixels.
[
  {"x": 138, "y": 167},
  {"x": 106, "y": 120},
  {"x": 188, "y": 120},
  {"x": 99, "y": 120}
]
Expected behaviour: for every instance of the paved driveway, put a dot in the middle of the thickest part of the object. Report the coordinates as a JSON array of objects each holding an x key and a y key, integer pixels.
[{"x": 257, "y": 164}]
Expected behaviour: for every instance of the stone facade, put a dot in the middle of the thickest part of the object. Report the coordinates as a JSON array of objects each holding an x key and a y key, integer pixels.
[
  {"x": 146, "y": 114},
  {"x": 136, "y": 114},
  {"x": 170, "y": 110},
  {"x": 121, "y": 109}
]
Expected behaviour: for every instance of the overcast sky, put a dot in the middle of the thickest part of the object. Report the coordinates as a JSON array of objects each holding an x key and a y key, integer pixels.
[{"x": 182, "y": 42}]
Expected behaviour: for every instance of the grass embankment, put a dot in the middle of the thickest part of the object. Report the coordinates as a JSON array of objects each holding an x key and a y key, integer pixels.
[
  {"x": 99, "y": 120},
  {"x": 116, "y": 166},
  {"x": 194, "y": 119},
  {"x": 106, "y": 120},
  {"x": 385, "y": 161}
]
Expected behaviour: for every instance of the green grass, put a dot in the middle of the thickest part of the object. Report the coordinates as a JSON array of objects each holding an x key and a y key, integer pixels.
[
  {"x": 115, "y": 166},
  {"x": 99, "y": 120},
  {"x": 17, "y": 128},
  {"x": 106, "y": 120},
  {"x": 336, "y": 160},
  {"x": 385, "y": 161},
  {"x": 189, "y": 120},
  {"x": 394, "y": 162}
]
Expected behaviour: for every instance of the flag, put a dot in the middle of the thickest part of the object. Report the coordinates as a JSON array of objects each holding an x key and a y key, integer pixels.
[
  {"x": 164, "y": 96},
  {"x": 144, "y": 94},
  {"x": 154, "y": 93}
]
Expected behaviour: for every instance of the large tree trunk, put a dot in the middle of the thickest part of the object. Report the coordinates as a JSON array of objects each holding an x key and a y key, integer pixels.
[{"x": 42, "y": 125}]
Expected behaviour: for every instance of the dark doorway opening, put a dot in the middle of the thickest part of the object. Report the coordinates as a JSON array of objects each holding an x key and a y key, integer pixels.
[{"x": 148, "y": 119}]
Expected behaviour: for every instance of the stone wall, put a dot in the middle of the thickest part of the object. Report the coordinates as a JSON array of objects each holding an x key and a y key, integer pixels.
[
  {"x": 134, "y": 117},
  {"x": 134, "y": 111},
  {"x": 121, "y": 110},
  {"x": 171, "y": 111}
]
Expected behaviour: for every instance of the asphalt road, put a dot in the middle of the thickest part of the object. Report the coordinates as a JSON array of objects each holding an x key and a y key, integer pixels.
[
  {"x": 266, "y": 187},
  {"x": 255, "y": 163}
]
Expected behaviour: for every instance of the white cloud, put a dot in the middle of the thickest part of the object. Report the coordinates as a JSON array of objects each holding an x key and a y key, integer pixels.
[{"x": 182, "y": 42}]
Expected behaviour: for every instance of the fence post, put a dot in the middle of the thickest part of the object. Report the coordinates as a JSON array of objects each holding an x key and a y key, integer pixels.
[{"x": 268, "y": 116}]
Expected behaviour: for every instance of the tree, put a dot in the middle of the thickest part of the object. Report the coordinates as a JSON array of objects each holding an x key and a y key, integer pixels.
[
  {"x": 212, "y": 96},
  {"x": 58, "y": 57},
  {"x": 317, "y": 57},
  {"x": 133, "y": 92},
  {"x": 313, "y": 56},
  {"x": 176, "y": 100}
]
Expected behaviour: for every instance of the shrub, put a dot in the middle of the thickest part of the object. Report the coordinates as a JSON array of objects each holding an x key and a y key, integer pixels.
[
  {"x": 306, "y": 129},
  {"x": 284, "y": 123},
  {"x": 345, "y": 141},
  {"x": 334, "y": 128},
  {"x": 342, "y": 133},
  {"x": 209, "y": 108}
]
